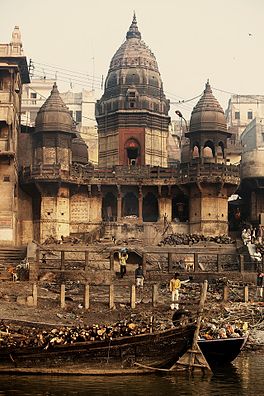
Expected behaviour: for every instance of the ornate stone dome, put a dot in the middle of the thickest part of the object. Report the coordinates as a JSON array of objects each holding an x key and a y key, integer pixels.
[
  {"x": 208, "y": 115},
  {"x": 54, "y": 115},
  {"x": 79, "y": 150},
  {"x": 133, "y": 80}
]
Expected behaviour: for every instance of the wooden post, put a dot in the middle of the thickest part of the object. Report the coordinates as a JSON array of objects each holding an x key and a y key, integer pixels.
[
  {"x": 62, "y": 265},
  {"x": 196, "y": 262},
  {"x": 169, "y": 263},
  {"x": 242, "y": 262},
  {"x": 225, "y": 293},
  {"x": 219, "y": 266},
  {"x": 62, "y": 296},
  {"x": 246, "y": 294},
  {"x": 86, "y": 268},
  {"x": 111, "y": 296},
  {"x": 154, "y": 294},
  {"x": 144, "y": 263},
  {"x": 86, "y": 296},
  {"x": 34, "y": 267},
  {"x": 35, "y": 294},
  {"x": 133, "y": 297},
  {"x": 112, "y": 261}
]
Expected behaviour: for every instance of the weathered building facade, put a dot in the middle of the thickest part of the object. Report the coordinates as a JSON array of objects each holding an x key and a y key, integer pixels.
[
  {"x": 133, "y": 190},
  {"x": 13, "y": 73}
]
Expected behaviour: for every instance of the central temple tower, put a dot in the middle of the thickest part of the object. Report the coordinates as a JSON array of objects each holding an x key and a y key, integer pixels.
[{"x": 132, "y": 114}]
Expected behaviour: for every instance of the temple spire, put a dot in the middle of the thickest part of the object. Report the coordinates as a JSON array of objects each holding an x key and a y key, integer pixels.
[{"x": 133, "y": 31}]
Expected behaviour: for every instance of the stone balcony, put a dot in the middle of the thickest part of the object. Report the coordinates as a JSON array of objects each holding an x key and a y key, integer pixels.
[{"x": 182, "y": 174}]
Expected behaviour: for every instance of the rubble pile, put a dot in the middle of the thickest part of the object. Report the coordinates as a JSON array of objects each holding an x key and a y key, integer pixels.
[{"x": 190, "y": 239}]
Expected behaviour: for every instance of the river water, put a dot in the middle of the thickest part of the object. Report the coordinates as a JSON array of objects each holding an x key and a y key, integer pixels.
[{"x": 245, "y": 377}]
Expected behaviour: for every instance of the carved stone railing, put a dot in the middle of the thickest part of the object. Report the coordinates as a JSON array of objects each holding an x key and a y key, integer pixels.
[{"x": 182, "y": 174}]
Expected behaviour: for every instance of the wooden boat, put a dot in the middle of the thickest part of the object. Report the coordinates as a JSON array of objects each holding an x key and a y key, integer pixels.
[
  {"x": 123, "y": 355},
  {"x": 221, "y": 351}
]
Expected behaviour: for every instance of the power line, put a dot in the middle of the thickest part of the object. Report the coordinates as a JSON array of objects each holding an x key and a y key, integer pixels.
[{"x": 67, "y": 70}]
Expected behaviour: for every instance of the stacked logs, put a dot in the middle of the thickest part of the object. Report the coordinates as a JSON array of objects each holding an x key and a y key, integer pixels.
[
  {"x": 33, "y": 337},
  {"x": 190, "y": 239}
]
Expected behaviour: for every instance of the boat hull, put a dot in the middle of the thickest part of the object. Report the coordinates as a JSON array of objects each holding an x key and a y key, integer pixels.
[
  {"x": 221, "y": 351},
  {"x": 121, "y": 355}
]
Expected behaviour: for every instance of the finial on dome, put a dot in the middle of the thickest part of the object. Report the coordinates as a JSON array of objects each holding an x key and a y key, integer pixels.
[
  {"x": 55, "y": 88},
  {"x": 207, "y": 87},
  {"x": 133, "y": 31}
]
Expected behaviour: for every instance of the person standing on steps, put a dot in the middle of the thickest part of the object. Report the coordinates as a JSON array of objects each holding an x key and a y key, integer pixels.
[{"x": 123, "y": 256}]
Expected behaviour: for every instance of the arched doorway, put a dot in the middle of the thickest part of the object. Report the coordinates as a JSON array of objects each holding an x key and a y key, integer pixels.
[
  {"x": 132, "y": 152},
  {"x": 150, "y": 208},
  {"x": 130, "y": 204},
  {"x": 109, "y": 207}
]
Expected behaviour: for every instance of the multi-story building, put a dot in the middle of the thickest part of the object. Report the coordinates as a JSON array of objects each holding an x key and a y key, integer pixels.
[
  {"x": 134, "y": 187},
  {"x": 13, "y": 74}
]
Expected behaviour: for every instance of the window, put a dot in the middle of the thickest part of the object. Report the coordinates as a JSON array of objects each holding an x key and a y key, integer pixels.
[
  {"x": 237, "y": 115},
  {"x": 6, "y": 178},
  {"x": 33, "y": 95},
  {"x": 132, "y": 104},
  {"x": 250, "y": 115},
  {"x": 132, "y": 94},
  {"x": 78, "y": 116}
]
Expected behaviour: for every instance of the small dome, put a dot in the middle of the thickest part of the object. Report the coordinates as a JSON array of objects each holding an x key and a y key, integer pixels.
[
  {"x": 79, "y": 150},
  {"x": 54, "y": 115},
  {"x": 208, "y": 115}
]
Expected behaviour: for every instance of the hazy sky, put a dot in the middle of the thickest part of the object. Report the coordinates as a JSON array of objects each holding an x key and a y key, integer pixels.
[{"x": 192, "y": 40}]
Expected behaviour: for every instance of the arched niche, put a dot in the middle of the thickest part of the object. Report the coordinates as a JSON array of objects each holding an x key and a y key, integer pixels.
[
  {"x": 221, "y": 150},
  {"x": 180, "y": 208},
  {"x": 132, "y": 152},
  {"x": 109, "y": 207},
  {"x": 209, "y": 149},
  {"x": 130, "y": 204},
  {"x": 196, "y": 150},
  {"x": 150, "y": 211}
]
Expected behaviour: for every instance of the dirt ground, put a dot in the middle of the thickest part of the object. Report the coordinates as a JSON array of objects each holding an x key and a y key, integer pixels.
[{"x": 13, "y": 306}]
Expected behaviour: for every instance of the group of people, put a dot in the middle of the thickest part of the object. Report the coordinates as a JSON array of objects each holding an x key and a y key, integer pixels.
[
  {"x": 252, "y": 235},
  {"x": 175, "y": 282}
]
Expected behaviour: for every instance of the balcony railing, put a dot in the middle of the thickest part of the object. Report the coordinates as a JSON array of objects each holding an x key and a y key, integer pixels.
[{"x": 182, "y": 174}]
